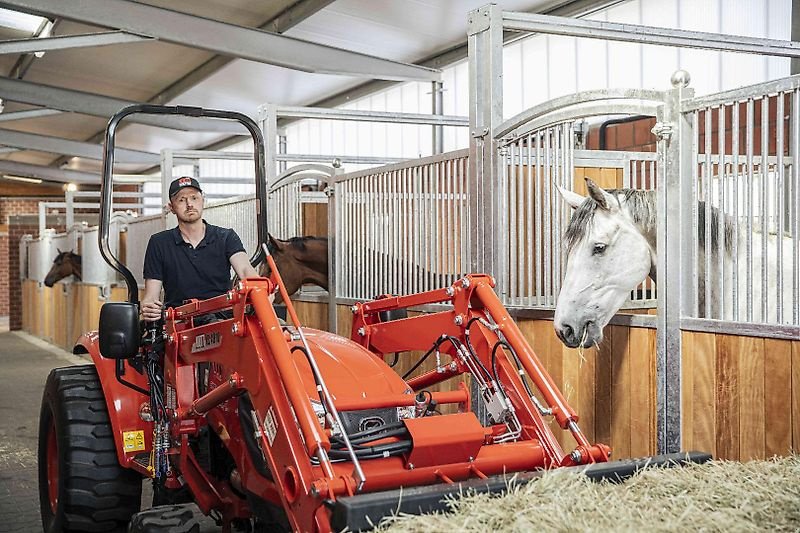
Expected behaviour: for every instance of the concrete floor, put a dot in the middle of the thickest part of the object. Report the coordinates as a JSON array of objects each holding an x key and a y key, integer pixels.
[{"x": 25, "y": 363}]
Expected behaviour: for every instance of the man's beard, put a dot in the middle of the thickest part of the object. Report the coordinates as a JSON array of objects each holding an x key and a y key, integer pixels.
[{"x": 192, "y": 216}]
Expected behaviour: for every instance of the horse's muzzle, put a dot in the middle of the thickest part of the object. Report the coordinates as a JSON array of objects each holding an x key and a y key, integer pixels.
[{"x": 573, "y": 336}]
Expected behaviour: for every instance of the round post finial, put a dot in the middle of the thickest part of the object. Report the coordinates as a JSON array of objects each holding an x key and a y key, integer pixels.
[{"x": 680, "y": 78}]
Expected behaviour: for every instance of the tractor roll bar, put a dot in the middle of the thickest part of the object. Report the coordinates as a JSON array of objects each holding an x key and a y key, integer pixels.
[{"x": 106, "y": 184}]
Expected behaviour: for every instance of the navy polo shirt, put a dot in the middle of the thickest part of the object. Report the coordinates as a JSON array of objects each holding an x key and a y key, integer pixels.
[{"x": 187, "y": 272}]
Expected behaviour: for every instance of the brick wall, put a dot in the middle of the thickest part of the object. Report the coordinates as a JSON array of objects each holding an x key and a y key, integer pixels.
[
  {"x": 4, "y": 307},
  {"x": 20, "y": 217},
  {"x": 633, "y": 135}
]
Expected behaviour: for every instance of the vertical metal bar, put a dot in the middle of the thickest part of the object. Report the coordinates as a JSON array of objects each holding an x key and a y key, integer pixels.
[
  {"x": 508, "y": 162},
  {"x": 521, "y": 225},
  {"x": 333, "y": 261},
  {"x": 465, "y": 203},
  {"x": 707, "y": 178},
  {"x": 764, "y": 300},
  {"x": 557, "y": 205},
  {"x": 381, "y": 249},
  {"x": 794, "y": 218},
  {"x": 425, "y": 240},
  {"x": 749, "y": 207},
  {"x": 485, "y": 43},
  {"x": 529, "y": 214},
  {"x": 395, "y": 223},
  {"x": 779, "y": 201},
  {"x": 723, "y": 214},
  {"x": 693, "y": 201},
  {"x": 437, "y": 107},
  {"x": 548, "y": 211},
  {"x": 368, "y": 231},
  {"x": 406, "y": 260},
  {"x": 735, "y": 133},
  {"x": 677, "y": 178},
  {"x": 539, "y": 265}
]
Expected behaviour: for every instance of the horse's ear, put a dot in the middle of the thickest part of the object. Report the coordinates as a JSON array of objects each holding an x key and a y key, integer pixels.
[
  {"x": 59, "y": 251},
  {"x": 599, "y": 195},
  {"x": 573, "y": 199},
  {"x": 274, "y": 244}
]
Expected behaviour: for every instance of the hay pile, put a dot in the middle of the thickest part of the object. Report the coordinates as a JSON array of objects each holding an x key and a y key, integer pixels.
[{"x": 716, "y": 496}]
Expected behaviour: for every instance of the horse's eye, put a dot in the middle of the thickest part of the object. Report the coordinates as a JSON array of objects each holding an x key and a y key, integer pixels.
[{"x": 599, "y": 248}]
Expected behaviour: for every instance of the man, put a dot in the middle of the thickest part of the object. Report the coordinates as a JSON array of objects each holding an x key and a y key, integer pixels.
[{"x": 192, "y": 260}]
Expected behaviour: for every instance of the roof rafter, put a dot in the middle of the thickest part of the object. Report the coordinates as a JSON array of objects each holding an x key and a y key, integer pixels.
[
  {"x": 62, "y": 42},
  {"x": 102, "y": 106},
  {"x": 223, "y": 38},
  {"x": 57, "y": 145},
  {"x": 48, "y": 173}
]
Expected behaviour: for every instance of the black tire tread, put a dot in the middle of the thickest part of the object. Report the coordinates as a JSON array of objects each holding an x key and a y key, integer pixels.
[
  {"x": 165, "y": 518},
  {"x": 99, "y": 495}
]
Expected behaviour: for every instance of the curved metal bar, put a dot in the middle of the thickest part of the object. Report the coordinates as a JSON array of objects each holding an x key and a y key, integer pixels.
[
  {"x": 574, "y": 113},
  {"x": 596, "y": 95},
  {"x": 286, "y": 176},
  {"x": 107, "y": 177}
]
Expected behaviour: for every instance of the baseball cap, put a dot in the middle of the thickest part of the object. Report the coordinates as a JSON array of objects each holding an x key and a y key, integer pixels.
[{"x": 181, "y": 183}]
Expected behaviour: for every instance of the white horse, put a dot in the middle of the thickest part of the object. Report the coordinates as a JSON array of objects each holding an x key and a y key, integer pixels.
[{"x": 611, "y": 249}]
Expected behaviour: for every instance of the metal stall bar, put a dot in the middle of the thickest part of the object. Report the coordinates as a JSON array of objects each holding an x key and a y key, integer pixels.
[
  {"x": 634, "y": 33},
  {"x": 676, "y": 167}
]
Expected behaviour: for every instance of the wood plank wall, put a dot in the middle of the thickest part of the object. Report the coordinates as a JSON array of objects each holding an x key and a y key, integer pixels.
[
  {"x": 64, "y": 312},
  {"x": 741, "y": 395}
]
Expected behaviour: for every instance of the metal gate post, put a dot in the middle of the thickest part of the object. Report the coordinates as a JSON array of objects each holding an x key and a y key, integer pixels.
[
  {"x": 166, "y": 178},
  {"x": 674, "y": 132},
  {"x": 486, "y": 242},
  {"x": 485, "y": 42},
  {"x": 333, "y": 316},
  {"x": 269, "y": 125}
]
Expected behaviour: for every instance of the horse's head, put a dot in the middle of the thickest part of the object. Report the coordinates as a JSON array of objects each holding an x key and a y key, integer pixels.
[
  {"x": 299, "y": 260},
  {"x": 65, "y": 264},
  {"x": 607, "y": 257}
]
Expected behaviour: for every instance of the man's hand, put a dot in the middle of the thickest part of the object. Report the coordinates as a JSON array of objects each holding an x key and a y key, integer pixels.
[{"x": 151, "y": 311}]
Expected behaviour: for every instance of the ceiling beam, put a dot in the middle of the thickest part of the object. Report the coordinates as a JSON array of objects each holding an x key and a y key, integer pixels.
[
  {"x": 48, "y": 173},
  {"x": 28, "y": 113},
  {"x": 62, "y": 42},
  {"x": 223, "y": 38},
  {"x": 635, "y": 33},
  {"x": 283, "y": 16},
  {"x": 57, "y": 145},
  {"x": 103, "y": 106},
  {"x": 440, "y": 60}
]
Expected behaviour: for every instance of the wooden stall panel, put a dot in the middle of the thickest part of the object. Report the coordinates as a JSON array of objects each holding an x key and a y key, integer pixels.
[
  {"x": 740, "y": 395},
  {"x": 312, "y": 314},
  {"x": 315, "y": 220},
  {"x": 612, "y": 388},
  {"x": 795, "y": 406},
  {"x": 778, "y": 366}
]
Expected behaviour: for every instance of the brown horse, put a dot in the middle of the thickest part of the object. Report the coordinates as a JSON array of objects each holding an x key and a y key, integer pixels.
[
  {"x": 65, "y": 264},
  {"x": 300, "y": 260}
]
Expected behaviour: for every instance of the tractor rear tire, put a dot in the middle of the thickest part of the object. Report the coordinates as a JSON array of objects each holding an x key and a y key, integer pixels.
[
  {"x": 82, "y": 486},
  {"x": 165, "y": 518}
]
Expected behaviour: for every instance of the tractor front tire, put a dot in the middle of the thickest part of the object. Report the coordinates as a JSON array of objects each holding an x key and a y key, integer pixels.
[
  {"x": 82, "y": 486},
  {"x": 166, "y": 519}
]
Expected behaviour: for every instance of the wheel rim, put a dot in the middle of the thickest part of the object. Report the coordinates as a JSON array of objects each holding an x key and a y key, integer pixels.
[{"x": 52, "y": 467}]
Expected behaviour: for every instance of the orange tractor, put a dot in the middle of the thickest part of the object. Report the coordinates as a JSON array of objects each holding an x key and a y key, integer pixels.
[{"x": 267, "y": 425}]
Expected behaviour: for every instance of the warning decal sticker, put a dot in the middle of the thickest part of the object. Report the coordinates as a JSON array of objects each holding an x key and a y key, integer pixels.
[{"x": 132, "y": 441}]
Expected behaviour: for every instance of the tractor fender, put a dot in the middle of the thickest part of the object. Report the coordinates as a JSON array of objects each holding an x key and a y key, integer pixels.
[{"x": 132, "y": 435}]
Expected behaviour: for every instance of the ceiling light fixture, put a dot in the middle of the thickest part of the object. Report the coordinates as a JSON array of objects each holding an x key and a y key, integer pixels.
[
  {"x": 21, "y": 178},
  {"x": 70, "y": 187}
]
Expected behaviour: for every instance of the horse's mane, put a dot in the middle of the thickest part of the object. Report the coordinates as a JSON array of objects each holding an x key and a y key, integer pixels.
[
  {"x": 297, "y": 242},
  {"x": 64, "y": 255},
  {"x": 642, "y": 206}
]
